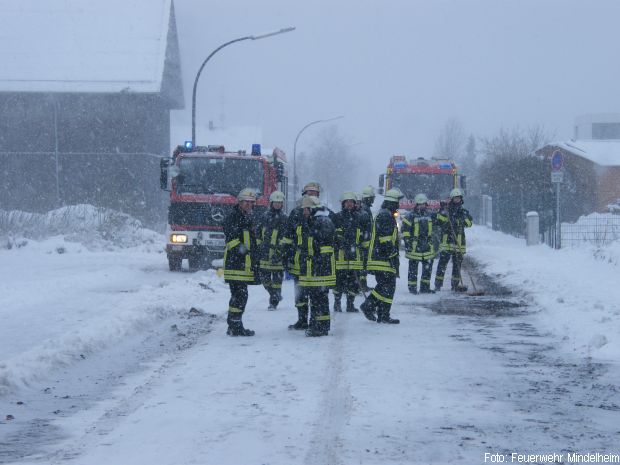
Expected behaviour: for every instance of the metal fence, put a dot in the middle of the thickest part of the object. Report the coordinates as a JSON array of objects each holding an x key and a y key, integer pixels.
[{"x": 599, "y": 231}]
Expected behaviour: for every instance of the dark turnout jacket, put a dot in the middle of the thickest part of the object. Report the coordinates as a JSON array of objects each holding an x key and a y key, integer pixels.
[
  {"x": 453, "y": 220},
  {"x": 272, "y": 228},
  {"x": 383, "y": 250},
  {"x": 241, "y": 256},
  {"x": 348, "y": 240}
]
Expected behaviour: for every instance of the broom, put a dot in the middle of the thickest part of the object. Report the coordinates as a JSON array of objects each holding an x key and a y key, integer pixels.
[{"x": 476, "y": 291}]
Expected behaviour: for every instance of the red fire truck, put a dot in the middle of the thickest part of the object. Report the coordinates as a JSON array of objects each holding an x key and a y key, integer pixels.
[
  {"x": 203, "y": 184},
  {"x": 434, "y": 177}
]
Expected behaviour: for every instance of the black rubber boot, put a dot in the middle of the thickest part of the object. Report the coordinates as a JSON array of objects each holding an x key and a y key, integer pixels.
[
  {"x": 274, "y": 300},
  {"x": 235, "y": 328},
  {"x": 337, "y": 304},
  {"x": 426, "y": 290},
  {"x": 413, "y": 290},
  {"x": 368, "y": 311},
  {"x": 299, "y": 325},
  {"x": 315, "y": 332},
  {"x": 384, "y": 317},
  {"x": 302, "y": 320},
  {"x": 351, "y": 304}
]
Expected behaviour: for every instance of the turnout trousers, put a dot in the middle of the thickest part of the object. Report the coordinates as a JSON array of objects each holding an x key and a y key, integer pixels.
[
  {"x": 347, "y": 282},
  {"x": 237, "y": 302},
  {"x": 318, "y": 301},
  {"x": 380, "y": 298},
  {"x": 302, "y": 303},
  {"x": 444, "y": 258},
  {"x": 425, "y": 281},
  {"x": 272, "y": 282}
]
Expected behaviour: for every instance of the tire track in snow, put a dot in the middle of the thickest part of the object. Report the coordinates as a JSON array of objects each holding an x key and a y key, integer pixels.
[
  {"x": 121, "y": 408},
  {"x": 326, "y": 445}
]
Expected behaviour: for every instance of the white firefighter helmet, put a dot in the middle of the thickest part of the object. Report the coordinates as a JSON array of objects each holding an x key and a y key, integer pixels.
[
  {"x": 456, "y": 192},
  {"x": 276, "y": 196},
  {"x": 420, "y": 198},
  {"x": 348, "y": 196},
  {"x": 393, "y": 195},
  {"x": 309, "y": 201},
  {"x": 368, "y": 191},
  {"x": 311, "y": 186},
  {"x": 247, "y": 194}
]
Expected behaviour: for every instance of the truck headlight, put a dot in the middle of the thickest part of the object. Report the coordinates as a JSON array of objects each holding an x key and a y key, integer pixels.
[{"x": 178, "y": 238}]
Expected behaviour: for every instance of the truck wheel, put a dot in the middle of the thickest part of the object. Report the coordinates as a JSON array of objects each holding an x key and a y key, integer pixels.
[
  {"x": 207, "y": 258},
  {"x": 174, "y": 263},
  {"x": 195, "y": 262}
]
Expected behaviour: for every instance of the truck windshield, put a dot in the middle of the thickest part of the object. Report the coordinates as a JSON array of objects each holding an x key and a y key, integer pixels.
[
  {"x": 435, "y": 186},
  {"x": 219, "y": 175}
]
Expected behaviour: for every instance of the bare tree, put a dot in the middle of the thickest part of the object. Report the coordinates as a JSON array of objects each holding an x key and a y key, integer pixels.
[
  {"x": 332, "y": 164},
  {"x": 451, "y": 141},
  {"x": 517, "y": 179}
]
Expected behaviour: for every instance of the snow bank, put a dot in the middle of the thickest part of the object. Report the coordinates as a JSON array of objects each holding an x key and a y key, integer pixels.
[
  {"x": 61, "y": 302},
  {"x": 79, "y": 279},
  {"x": 575, "y": 289},
  {"x": 95, "y": 228}
]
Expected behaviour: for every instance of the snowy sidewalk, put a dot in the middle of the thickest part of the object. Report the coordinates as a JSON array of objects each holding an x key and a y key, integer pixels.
[{"x": 578, "y": 295}]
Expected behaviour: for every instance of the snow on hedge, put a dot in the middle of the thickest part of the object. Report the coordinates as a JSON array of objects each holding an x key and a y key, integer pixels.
[{"x": 95, "y": 228}]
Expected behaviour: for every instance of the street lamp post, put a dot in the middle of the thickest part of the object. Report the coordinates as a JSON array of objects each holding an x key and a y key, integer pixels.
[
  {"x": 253, "y": 37},
  {"x": 295, "y": 147},
  {"x": 56, "y": 110}
]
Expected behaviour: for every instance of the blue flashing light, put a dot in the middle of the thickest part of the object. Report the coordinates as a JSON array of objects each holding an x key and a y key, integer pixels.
[
  {"x": 189, "y": 145},
  {"x": 399, "y": 165},
  {"x": 445, "y": 166},
  {"x": 256, "y": 150}
]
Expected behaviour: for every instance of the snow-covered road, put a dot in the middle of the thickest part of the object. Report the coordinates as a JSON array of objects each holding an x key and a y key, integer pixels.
[{"x": 458, "y": 378}]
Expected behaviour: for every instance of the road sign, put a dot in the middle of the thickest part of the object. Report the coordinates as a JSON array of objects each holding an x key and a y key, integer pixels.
[
  {"x": 557, "y": 161},
  {"x": 557, "y": 176}
]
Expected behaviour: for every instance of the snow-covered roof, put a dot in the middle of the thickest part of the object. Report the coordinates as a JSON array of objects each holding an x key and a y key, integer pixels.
[
  {"x": 83, "y": 46},
  {"x": 601, "y": 152}
]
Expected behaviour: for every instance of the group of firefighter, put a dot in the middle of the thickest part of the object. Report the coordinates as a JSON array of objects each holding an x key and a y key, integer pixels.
[{"x": 323, "y": 250}]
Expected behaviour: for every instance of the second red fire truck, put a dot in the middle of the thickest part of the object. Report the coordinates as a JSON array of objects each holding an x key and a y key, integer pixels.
[{"x": 434, "y": 177}]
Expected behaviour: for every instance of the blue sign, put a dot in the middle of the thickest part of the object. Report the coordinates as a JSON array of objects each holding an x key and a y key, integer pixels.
[{"x": 557, "y": 161}]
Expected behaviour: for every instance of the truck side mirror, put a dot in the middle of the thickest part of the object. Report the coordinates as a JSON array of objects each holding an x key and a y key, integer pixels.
[
  {"x": 164, "y": 163},
  {"x": 381, "y": 183},
  {"x": 279, "y": 171},
  {"x": 463, "y": 182}
]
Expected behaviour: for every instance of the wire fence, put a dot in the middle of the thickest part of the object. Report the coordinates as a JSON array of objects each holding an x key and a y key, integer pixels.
[{"x": 599, "y": 231}]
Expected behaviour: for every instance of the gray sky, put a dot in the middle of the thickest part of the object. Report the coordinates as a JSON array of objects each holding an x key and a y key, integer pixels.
[{"x": 397, "y": 69}]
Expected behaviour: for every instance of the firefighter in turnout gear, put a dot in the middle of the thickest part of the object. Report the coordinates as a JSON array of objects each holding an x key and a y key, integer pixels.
[
  {"x": 418, "y": 236},
  {"x": 365, "y": 214},
  {"x": 240, "y": 259},
  {"x": 348, "y": 252},
  {"x": 453, "y": 219},
  {"x": 315, "y": 266},
  {"x": 295, "y": 219},
  {"x": 383, "y": 260},
  {"x": 271, "y": 230}
]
